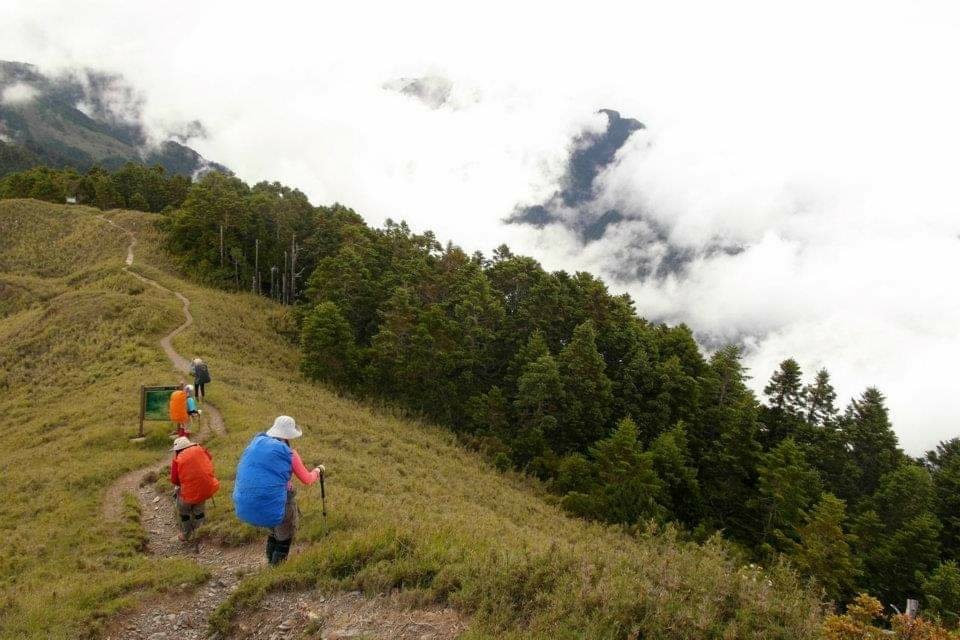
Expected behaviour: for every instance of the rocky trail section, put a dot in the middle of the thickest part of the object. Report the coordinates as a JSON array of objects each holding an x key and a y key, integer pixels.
[{"x": 184, "y": 615}]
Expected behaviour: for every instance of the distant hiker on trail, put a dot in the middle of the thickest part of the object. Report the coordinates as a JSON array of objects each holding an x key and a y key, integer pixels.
[
  {"x": 191, "y": 472},
  {"x": 179, "y": 412},
  {"x": 263, "y": 493},
  {"x": 192, "y": 409},
  {"x": 201, "y": 376}
]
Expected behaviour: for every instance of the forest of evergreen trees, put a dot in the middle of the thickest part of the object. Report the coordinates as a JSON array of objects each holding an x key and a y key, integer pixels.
[{"x": 625, "y": 420}]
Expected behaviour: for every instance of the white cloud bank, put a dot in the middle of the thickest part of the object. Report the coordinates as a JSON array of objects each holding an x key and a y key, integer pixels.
[{"x": 820, "y": 136}]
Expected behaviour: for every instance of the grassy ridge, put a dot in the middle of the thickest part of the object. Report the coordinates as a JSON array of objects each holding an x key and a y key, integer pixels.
[
  {"x": 409, "y": 509},
  {"x": 75, "y": 342}
]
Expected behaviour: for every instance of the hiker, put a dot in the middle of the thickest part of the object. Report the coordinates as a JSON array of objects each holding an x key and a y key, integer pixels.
[
  {"x": 192, "y": 409},
  {"x": 263, "y": 493},
  {"x": 191, "y": 472},
  {"x": 201, "y": 376},
  {"x": 179, "y": 413}
]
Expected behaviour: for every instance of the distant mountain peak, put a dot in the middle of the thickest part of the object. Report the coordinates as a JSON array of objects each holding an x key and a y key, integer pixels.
[
  {"x": 591, "y": 153},
  {"x": 81, "y": 119}
]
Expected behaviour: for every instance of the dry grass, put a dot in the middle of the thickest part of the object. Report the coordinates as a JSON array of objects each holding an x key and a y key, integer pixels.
[{"x": 408, "y": 508}]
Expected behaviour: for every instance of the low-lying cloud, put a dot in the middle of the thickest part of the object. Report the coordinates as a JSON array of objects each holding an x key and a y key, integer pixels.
[
  {"x": 793, "y": 189},
  {"x": 18, "y": 93}
]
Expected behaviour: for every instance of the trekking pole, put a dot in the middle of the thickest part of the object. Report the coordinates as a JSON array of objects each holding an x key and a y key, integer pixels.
[{"x": 323, "y": 500}]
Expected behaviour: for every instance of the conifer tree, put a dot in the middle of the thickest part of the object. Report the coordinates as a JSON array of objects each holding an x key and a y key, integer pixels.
[
  {"x": 870, "y": 438},
  {"x": 820, "y": 399},
  {"x": 587, "y": 392},
  {"x": 784, "y": 417},
  {"x": 787, "y": 485},
  {"x": 672, "y": 462},
  {"x": 944, "y": 463},
  {"x": 823, "y": 550},
  {"x": 785, "y": 388},
  {"x": 898, "y": 536},
  {"x": 941, "y": 592},
  {"x": 627, "y": 488},
  {"x": 729, "y": 441},
  {"x": 538, "y": 406},
  {"x": 327, "y": 342}
]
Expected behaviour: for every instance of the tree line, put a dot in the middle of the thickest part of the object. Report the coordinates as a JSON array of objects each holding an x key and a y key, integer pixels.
[
  {"x": 624, "y": 420},
  {"x": 133, "y": 186}
]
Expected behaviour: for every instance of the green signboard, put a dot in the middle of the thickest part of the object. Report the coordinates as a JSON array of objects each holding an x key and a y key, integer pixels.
[{"x": 155, "y": 403}]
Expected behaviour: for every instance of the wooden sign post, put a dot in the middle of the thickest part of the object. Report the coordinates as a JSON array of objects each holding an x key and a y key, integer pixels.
[{"x": 154, "y": 405}]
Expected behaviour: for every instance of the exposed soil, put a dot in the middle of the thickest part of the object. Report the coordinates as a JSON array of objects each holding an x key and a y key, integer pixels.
[{"x": 296, "y": 616}]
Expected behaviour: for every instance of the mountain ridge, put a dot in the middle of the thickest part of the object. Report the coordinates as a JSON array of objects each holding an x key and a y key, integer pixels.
[{"x": 84, "y": 119}]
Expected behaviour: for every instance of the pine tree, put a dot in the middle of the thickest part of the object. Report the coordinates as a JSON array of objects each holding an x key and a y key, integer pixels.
[
  {"x": 785, "y": 387},
  {"x": 627, "y": 487},
  {"x": 587, "y": 392},
  {"x": 941, "y": 592},
  {"x": 672, "y": 462},
  {"x": 532, "y": 350},
  {"x": 489, "y": 414},
  {"x": 327, "y": 342},
  {"x": 820, "y": 398},
  {"x": 784, "y": 415},
  {"x": 538, "y": 405},
  {"x": 823, "y": 550},
  {"x": 787, "y": 485},
  {"x": 870, "y": 438},
  {"x": 899, "y": 535},
  {"x": 729, "y": 442},
  {"x": 944, "y": 464}
]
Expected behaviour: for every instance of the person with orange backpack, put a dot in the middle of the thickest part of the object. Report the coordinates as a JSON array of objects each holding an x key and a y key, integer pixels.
[
  {"x": 179, "y": 414},
  {"x": 191, "y": 472}
]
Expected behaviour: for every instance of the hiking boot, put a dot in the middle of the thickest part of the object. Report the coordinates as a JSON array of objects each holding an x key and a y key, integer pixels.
[
  {"x": 280, "y": 551},
  {"x": 271, "y": 547}
]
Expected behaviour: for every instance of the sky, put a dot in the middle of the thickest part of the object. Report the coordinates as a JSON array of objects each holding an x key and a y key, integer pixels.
[{"x": 819, "y": 139}]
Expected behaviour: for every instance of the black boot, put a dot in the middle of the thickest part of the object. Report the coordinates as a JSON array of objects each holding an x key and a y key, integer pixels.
[
  {"x": 271, "y": 547},
  {"x": 280, "y": 551}
]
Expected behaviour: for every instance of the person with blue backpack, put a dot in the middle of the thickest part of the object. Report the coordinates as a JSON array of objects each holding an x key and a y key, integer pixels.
[{"x": 263, "y": 493}]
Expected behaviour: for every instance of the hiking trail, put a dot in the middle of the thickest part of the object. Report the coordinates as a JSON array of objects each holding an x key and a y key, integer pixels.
[{"x": 184, "y": 614}]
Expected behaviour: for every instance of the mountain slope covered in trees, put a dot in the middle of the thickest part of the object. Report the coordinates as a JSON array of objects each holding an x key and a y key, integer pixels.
[
  {"x": 409, "y": 510},
  {"x": 625, "y": 421}
]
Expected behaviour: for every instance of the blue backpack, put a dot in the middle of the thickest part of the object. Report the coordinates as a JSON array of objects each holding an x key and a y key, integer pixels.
[{"x": 260, "y": 490}]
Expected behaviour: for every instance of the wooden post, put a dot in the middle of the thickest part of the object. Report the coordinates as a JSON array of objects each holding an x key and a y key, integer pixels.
[
  {"x": 256, "y": 266},
  {"x": 283, "y": 297},
  {"x": 143, "y": 409},
  {"x": 221, "y": 246},
  {"x": 293, "y": 269},
  {"x": 913, "y": 606}
]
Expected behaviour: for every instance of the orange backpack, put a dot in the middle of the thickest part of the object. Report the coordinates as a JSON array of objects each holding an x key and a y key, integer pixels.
[
  {"x": 195, "y": 469},
  {"x": 178, "y": 407}
]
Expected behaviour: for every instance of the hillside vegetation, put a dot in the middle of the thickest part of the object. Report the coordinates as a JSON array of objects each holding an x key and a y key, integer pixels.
[
  {"x": 409, "y": 509},
  {"x": 623, "y": 420}
]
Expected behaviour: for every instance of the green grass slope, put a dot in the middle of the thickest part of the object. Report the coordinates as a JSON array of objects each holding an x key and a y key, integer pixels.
[{"x": 408, "y": 508}]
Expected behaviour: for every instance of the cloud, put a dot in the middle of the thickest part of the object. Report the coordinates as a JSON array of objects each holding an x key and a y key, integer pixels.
[
  {"x": 794, "y": 187},
  {"x": 18, "y": 93}
]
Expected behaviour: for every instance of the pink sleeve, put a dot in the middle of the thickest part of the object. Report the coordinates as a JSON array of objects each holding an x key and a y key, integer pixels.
[{"x": 304, "y": 476}]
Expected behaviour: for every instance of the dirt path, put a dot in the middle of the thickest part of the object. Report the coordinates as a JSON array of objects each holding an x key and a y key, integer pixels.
[
  {"x": 184, "y": 615},
  {"x": 181, "y": 615}
]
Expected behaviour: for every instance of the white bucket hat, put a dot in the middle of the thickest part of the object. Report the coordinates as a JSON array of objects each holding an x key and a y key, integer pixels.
[
  {"x": 181, "y": 443},
  {"x": 285, "y": 428}
]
